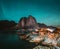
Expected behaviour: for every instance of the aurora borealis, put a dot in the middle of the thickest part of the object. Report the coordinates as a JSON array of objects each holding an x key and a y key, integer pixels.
[{"x": 45, "y": 11}]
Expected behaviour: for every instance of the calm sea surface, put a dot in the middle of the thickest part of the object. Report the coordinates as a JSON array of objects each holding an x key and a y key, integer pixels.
[{"x": 11, "y": 40}]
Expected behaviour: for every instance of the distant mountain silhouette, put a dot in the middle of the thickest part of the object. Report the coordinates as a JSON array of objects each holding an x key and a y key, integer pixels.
[
  {"x": 6, "y": 24},
  {"x": 51, "y": 27},
  {"x": 26, "y": 22},
  {"x": 42, "y": 25},
  {"x": 31, "y": 21},
  {"x": 22, "y": 23}
]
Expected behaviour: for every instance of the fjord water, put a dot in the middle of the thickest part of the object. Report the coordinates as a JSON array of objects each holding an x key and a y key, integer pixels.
[{"x": 11, "y": 40}]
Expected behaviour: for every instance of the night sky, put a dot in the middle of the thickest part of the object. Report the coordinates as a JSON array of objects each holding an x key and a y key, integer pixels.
[{"x": 45, "y": 11}]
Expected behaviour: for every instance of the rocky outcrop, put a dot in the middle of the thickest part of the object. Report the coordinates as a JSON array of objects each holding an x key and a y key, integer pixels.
[
  {"x": 31, "y": 23},
  {"x": 44, "y": 47}
]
